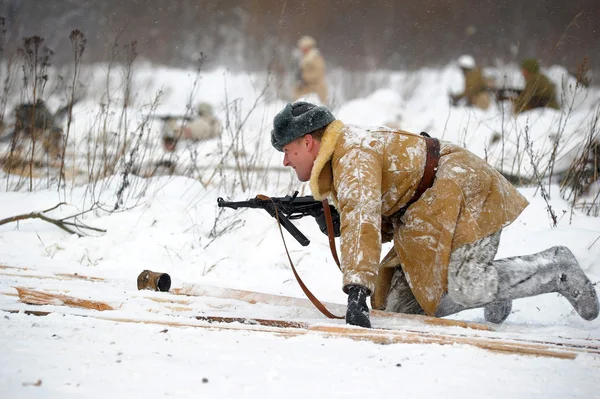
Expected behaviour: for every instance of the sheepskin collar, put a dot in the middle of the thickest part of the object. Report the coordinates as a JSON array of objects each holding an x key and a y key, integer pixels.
[{"x": 321, "y": 177}]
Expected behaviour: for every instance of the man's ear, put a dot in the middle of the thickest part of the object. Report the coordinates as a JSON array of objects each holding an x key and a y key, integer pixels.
[{"x": 309, "y": 141}]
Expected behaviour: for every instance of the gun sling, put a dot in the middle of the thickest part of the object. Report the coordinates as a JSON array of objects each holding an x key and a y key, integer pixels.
[
  {"x": 313, "y": 299},
  {"x": 331, "y": 232}
]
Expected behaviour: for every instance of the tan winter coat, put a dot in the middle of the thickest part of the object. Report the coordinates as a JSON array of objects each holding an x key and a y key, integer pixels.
[
  {"x": 539, "y": 92},
  {"x": 476, "y": 91},
  {"x": 312, "y": 71},
  {"x": 371, "y": 173}
]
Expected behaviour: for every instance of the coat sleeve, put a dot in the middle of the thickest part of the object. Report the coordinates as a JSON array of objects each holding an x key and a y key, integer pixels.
[{"x": 357, "y": 180}]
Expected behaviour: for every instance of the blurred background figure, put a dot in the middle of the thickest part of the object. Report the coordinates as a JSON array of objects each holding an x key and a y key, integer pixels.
[
  {"x": 539, "y": 91},
  {"x": 201, "y": 127},
  {"x": 36, "y": 136},
  {"x": 311, "y": 71},
  {"x": 476, "y": 87}
]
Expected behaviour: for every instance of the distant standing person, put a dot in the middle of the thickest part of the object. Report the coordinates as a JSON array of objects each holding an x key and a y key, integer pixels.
[
  {"x": 476, "y": 87},
  {"x": 311, "y": 71},
  {"x": 539, "y": 91}
]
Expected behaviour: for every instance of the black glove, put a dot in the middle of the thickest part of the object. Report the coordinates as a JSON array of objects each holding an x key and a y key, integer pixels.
[
  {"x": 357, "y": 313},
  {"x": 322, "y": 222}
]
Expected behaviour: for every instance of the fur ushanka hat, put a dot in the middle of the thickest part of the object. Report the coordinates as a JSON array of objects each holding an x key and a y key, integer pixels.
[{"x": 296, "y": 120}]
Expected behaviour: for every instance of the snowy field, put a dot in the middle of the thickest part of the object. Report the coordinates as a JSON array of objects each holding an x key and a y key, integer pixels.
[{"x": 172, "y": 224}]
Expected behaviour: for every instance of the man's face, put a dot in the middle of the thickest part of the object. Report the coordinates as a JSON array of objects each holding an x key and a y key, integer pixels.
[{"x": 298, "y": 155}]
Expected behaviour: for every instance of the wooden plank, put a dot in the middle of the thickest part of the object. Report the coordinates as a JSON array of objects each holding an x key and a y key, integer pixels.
[
  {"x": 589, "y": 345},
  {"x": 253, "y": 297},
  {"x": 13, "y": 267},
  {"x": 374, "y": 335},
  {"x": 37, "y": 276},
  {"x": 33, "y": 297},
  {"x": 80, "y": 277},
  {"x": 57, "y": 276},
  {"x": 383, "y": 337},
  {"x": 278, "y": 300}
]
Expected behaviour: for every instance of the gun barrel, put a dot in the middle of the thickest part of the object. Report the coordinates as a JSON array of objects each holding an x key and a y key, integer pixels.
[
  {"x": 275, "y": 208},
  {"x": 251, "y": 203}
]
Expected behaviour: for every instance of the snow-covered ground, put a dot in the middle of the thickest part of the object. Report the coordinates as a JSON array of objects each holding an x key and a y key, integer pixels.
[{"x": 172, "y": 224}]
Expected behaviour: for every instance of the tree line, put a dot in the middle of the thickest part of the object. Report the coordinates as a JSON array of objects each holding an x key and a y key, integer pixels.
[{"x": 355, "y": 34}]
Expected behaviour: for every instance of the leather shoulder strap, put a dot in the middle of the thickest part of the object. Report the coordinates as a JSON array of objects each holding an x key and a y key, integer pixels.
[
  {"x": 331, "y": 233},
  {"x": 431, "y": 164},
  {"x": 313, "y": 299}
]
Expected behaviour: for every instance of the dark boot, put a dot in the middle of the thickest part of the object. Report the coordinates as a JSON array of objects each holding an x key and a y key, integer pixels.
[
  {"x": 357, "y": 313},
  {"x": 553, "y": 270}
]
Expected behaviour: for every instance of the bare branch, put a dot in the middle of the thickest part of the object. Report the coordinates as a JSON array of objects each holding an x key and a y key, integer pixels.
[
  {"x": 54, "y": 207},
  {"x": 60, "y": 223},
  {"x": 38, "y": 215}
]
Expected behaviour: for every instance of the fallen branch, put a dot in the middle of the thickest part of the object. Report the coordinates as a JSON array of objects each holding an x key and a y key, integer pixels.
[{"x": 60, "y": 223}]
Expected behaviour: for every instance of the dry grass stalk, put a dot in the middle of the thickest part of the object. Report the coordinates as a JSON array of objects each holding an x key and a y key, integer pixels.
[
  {"x": 539, "y": 177},
  {"x": 78, "y": 42}
]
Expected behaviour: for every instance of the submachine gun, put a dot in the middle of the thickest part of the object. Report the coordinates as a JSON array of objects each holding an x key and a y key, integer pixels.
[
  {"x": 506, "y": 93},
  {"x": 166, "y": 118},
  {"x": 289, "y": 208}
]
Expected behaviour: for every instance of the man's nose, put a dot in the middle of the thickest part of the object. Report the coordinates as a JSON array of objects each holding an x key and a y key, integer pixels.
[{"x": 286, "y": 160}]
